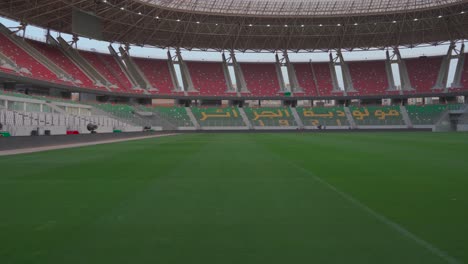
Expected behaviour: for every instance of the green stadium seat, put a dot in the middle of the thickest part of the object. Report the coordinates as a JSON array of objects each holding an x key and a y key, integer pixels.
[
  {"x": 377, "y": 116},
  {"x": 270, "y": 116},
  {"x": 324, "y": 116},
  {"x": 218, "y": 116},
  {"x": 428, "y": 114}
]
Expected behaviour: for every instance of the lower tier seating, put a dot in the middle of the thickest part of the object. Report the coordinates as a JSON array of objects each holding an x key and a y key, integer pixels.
[
  {"x": 218, "y": 117},
  {"x": 428, "y": 114},
  {"x": 323, "y": 116},
  {"x": 377, "y": 115},
  {"x": 175, "y": 115},
  {"x": 270, "y": 116}
]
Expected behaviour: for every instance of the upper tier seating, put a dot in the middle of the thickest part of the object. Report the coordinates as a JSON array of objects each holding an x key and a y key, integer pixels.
[
  {"x": 56, "y": 55},
  {"x": 108, "y": 67},
  {"x": 270, "y": 116},
  {"x": 377, "y": 115},
  {"x": 305, "y": 78},
  {"x": 369, "y": 77},
  {"x": 157, "y": 73},
  {"x": 24, "y": 60},
  {"x": 428, "y": 114},
  {"x": 423, "y": 73},
  {"x": 324, "y": 116},
  {"x": 218, "y": 117},
  {"x": 208, "y": 78},
  {"x": 261, "y": 79},
  {"x": 324, "y": 80},
  {"x": 464, "y": 77}
]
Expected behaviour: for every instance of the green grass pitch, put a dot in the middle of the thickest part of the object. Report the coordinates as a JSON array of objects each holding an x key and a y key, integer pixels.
[{"x": 240, "y": 198}]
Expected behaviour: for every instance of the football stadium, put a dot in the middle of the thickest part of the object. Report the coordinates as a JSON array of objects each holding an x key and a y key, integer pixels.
[{"x": 233, "y": 131}]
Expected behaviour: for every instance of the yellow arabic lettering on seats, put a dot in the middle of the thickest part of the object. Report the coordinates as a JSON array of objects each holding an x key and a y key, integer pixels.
[
  {"x": 284, "y": 122},
  {"x": 312, "y": 114},
  {"x": 340, "y": 113},
  {"x": 380, "y": 114},
  {"x": 223, "y": 115},
  {"x": 360, "y": 115},
  {"x": 268, "y": 114}
]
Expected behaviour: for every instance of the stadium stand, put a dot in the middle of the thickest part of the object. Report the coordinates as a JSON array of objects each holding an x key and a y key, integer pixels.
[
  {"x": 15, "y": 94},
  {"x": 22, "y": 59},
  {"x": 208, "y": 78},
  {"x": 157, "y": 73},
  {"x": 464, "y": 74},
  {"x": 305, "y": 78},
  {"x": 270, "y": 116},
  {"x": 54, "y": 54},
  {"x": 28, "y": 115},
  {"x": 377, "y": 115},
  {"x": 428, "y": 114},
  {"x": 369, "y": 77},
  {"x": 324, "y": 79},
  {"x": 218, "y": 116},
  {"x": 423, "y": 73},
  {"x": 175, "y": 115},
  {"x": 261, "y": 79},
  {"x": 323, "y": 116},
  {"x": 108, "y": 67}
]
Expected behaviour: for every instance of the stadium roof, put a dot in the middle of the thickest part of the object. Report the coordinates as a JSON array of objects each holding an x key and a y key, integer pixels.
[
  {"x": 257, "y": 25},
  {"x": 298, "y": 7}
]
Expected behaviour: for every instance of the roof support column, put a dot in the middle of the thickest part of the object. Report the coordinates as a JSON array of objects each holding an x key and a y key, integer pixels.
[
  {"x": 227, "y": 76},
  {"x": 444, "y": 69},
  {"x": 295, "y": 88},
  {"x": 405, "y": 81},
  {"x": 460, "y": 54},
  {"x": 331, "y": 64},
  {"x": 240, "y": 80},
  {"x": 279, "y": 74},
  {"x": 186, "y": 78},
  {"x": 123, "y": 67},
  {"x": 348, "y": 81},
  {"x": 134, "y": 70},
  {"x": 389, "y": 73},
  {"x": 172, "y": 71}
]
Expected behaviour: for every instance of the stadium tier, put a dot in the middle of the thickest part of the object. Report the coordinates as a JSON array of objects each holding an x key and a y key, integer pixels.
[
  {"x": 218, "y": 117},
  {"x": 306, "y": 79},
  {"x": 324, "y": 79},
  {"x": 423, "y": 73},
  {"x": 271, "y": 117},
  {"x": 108, "y": 67},
  {"x": 369, "y": 78},
  {"x": 208, "y": 78},
  {"x": 60, "y": 59},
  {"x": 323, "y": 116},
  {"x": 377, "y": 116},
  {"x": 157, "y": 73},
  {"x": 27, "y": 65},
  {"x": 177, "y": 116},
  {"x": 261, "y": 79},
  {"x": 139, "y": 117},
  {"x": 428, "y": 114}
]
